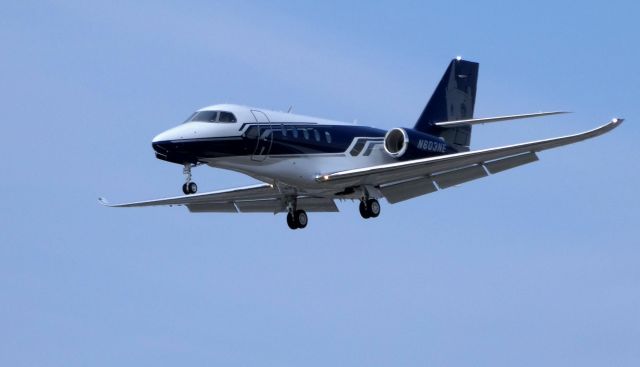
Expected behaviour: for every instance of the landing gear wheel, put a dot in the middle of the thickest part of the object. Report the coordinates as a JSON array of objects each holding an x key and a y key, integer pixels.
[
  {"x": 301, "y": 218},
  {"x": 373, "y": 208},
  {"x": 369, "y": 208},
  {"x": 189, "y": 188},
  {"x": 297, "y": 220},
  {"x": 193, "y": 188},
  {"x": 364, "y": 212},
  {"x": 291, "y": 222}
]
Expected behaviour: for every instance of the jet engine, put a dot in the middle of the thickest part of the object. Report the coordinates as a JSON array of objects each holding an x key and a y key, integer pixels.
[{"x": 403, "y": 144}]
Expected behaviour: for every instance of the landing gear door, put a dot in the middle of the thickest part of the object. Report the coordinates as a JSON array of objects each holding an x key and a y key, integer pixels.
[{"x": 264, "y": 136}]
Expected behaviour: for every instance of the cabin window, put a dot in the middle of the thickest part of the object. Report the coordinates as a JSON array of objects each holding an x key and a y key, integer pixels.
[
  {"x": 227, "y": 117},
  {"x": 294, "y": 131},
  {"x": 316, "y": 134},
  {"x": 283, "y": 130},
  {"x": 305, "y": 132},
  {"x": 327, "y": 136},
  {"x": 252, "y": 132},
  {"x": 266, "y": 134}
]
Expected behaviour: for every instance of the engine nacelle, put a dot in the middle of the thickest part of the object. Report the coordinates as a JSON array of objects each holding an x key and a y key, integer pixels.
[{"x": 403, "y": 144}]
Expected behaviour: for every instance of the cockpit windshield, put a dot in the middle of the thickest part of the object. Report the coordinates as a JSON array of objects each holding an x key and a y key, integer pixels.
[
  {"x": 206, "y": 116},
  {"x": 212, "y": 116},
  {"x": 189, "y": 118},
  {"x": 226, "y": 117}
]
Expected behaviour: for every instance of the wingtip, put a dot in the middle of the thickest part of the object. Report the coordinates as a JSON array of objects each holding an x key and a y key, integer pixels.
[
  {"x": 103, "y": 201},
  {"x": 617, "y": 120}
]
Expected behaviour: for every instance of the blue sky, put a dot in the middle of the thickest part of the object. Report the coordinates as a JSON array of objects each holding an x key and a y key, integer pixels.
[{"x": 535, "y": 266}]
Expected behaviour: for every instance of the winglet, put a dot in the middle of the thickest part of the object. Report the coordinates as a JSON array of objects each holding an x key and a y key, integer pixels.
[
  {"x": 103, "y": 201},
  {"x": 615, "y": 122}
]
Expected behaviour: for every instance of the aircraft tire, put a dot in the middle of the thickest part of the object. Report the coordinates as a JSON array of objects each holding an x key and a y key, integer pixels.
[
  {"x": 373, "y": 208},
  {"x": 291, "y": 222},
  {"x": 364, "y": 212},
  {"x": 192, "y": 187},
  {"x": 185, "y": 189},
  {"x": 301, "y": 218}
]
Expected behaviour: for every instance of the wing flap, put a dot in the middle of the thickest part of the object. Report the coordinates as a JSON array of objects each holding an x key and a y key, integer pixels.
[
  {"x": 308, "y": 204},
  {"x": 459, "y": 176},
  {"x": 406, "y": 190},
  {"x": 260, "y": 206},
  {"x": 317, "y": 205},
  {"x": 395, "y": 193},
  {"x": 212, "y": 208},
  {"x": 504, "y": 164}
]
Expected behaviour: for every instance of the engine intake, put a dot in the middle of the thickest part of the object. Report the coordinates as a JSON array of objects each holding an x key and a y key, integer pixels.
[
  {"x": 396, "y": 142},
  {"x": 402, "y": 143}
]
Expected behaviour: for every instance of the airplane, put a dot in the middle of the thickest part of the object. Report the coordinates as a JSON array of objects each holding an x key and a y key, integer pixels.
[{"x": 306, "y": 163}]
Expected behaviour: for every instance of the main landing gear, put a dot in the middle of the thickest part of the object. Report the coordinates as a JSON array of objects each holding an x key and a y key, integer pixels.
[
  {"x": 296, "y": 218},
  {"x": 369, "y": 208},
  {"x": 189, "y": 187}
]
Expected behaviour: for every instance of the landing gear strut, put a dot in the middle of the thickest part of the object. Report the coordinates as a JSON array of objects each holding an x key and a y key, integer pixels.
[
  {"x": 296, "y": 218},
  {"x": 189, "y": 187},
  {"x": 369, "y": 208}
]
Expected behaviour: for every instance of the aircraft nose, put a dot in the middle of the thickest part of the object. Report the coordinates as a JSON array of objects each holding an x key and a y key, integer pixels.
[
  {"x": 163, "y": 136},
  {"x": 175, "y": 133},
  {"x": 159, "y": 147},
  {"x": 169, "y": 145},
  {"x": 161, "y": 142}
]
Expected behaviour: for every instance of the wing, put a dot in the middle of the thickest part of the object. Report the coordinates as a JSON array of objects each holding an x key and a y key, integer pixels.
[
  {"x": 404, "y": 180},
  {"x": 262, "y": 198}
]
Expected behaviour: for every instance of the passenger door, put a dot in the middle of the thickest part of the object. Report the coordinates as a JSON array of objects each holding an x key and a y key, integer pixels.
[{"x": 264, "y": 136}]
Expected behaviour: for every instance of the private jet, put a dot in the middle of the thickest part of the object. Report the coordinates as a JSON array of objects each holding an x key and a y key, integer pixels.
[{"x": 306, "y": 163}]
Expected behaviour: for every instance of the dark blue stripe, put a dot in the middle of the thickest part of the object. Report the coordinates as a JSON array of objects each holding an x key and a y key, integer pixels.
[{"x": 341, "y": 137}]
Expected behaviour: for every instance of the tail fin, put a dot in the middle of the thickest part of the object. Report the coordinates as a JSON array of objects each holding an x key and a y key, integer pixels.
[{"x": 453, "y": 99}]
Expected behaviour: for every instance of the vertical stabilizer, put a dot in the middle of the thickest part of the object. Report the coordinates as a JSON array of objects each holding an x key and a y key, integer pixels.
[{"x": 453, "y": 99}]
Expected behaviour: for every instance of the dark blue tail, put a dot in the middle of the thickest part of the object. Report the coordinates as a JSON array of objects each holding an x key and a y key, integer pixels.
[{"x": 453, "y": 99}]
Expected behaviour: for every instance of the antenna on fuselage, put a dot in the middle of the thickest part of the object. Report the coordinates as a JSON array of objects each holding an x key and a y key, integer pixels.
[{"x": 290, "y": 108}]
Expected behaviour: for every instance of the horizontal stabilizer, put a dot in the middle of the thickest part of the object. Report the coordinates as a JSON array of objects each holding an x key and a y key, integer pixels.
[{"x": 485, "y": 120}]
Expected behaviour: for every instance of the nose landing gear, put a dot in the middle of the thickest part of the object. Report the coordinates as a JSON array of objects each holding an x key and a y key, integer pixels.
[{"x": 189, "y": 187}]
